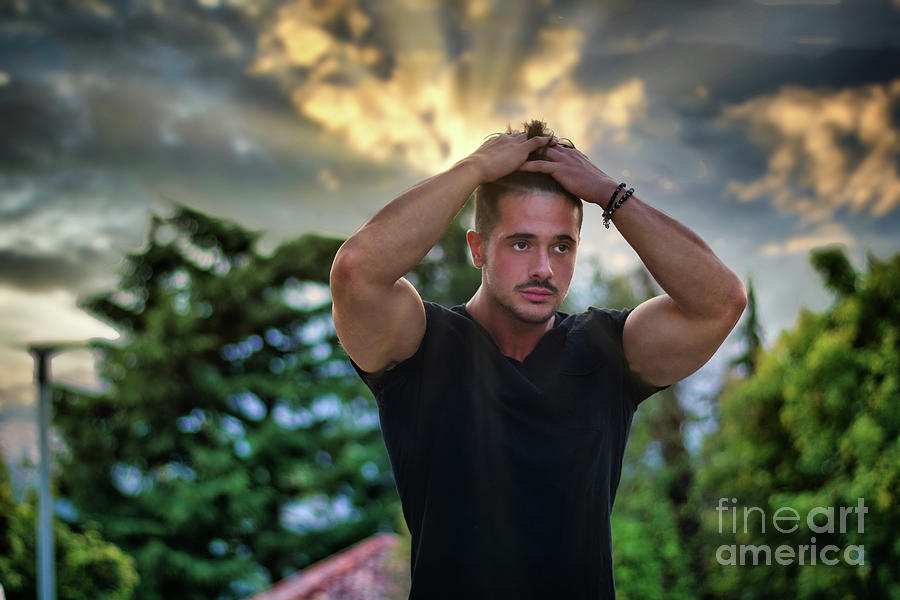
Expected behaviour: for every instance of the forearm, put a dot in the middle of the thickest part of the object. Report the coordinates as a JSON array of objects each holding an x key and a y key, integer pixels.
[
  {"x": 399, "y": 235},
  {"x": 683, "y": 265}
]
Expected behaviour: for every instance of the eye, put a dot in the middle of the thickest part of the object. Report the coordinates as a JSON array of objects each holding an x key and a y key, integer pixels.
[
  {"x": 520, "y": 245},
  {"x": 562, "y": 248}
]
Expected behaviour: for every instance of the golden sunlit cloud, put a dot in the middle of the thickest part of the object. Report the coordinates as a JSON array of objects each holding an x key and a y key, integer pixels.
[
  {"x": 825, "y": 235},
  {"x": 328, "y": 180},
  {"x": 432, "y": 108},
  {"x": 642, "y": 43},
  {"x": 557, "y": 54},
  {"x": 477, "y": 9},
  {"x": 842, "y": 146}
]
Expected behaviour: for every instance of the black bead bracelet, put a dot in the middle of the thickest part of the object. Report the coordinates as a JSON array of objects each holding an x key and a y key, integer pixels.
[{"x": 611, "y": 208}]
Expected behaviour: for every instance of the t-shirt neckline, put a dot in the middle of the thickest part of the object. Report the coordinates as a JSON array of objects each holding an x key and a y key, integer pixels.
[{"x": 557, "y": 320}]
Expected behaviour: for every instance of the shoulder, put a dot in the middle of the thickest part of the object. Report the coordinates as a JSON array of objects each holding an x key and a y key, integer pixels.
[
  {"x": 595, "y": 334},
  {"x": 442, "y": 326},
  {"x": 597, "y": 321}
]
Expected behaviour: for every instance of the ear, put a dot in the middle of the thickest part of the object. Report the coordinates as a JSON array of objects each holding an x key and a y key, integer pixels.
[{"x": 476, "y": 248}]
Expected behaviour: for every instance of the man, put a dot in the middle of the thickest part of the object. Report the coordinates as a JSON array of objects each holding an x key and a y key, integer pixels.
[{"x": 504, "y": 419}]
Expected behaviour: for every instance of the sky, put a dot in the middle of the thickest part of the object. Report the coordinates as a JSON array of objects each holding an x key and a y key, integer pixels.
[{"x": 768, "y": 127}]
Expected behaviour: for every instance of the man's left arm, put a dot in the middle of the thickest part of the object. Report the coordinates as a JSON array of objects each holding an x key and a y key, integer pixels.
[{"x": 668, "y": 337}]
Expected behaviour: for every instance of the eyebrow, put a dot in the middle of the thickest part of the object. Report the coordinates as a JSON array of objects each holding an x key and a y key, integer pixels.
[{"x": 562, "y": 236}]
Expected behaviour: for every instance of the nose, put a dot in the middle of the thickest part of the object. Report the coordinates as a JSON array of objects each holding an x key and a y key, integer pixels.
[{"x": 540, "y": 266}]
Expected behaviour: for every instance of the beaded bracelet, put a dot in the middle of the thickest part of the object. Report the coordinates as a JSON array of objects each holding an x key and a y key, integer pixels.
[
  {"x": 608, "y": 212},
  {"x": 614, "y": 194}
]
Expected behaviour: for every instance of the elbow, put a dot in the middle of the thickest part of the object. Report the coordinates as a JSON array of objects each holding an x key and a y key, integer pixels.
[
  {"x": 353, "y": 272},
  {"x": 344, "y": 268},
  {"x": 735, "y": 301},
  {"x": 739, "y": 296}
]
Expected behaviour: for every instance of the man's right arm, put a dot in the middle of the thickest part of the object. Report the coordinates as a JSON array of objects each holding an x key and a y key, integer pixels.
[{"x": 378, "y": 315}]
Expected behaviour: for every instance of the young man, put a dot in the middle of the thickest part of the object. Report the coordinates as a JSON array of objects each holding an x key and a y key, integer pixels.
[{"x": 504, "y": 419}]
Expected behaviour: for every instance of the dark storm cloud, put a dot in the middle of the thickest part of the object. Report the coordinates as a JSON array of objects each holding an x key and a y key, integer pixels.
[
  {"x": 721, "y": 76},
  {"x": 133, "y": 85},
  {"x": 66, "y": 228},
  {"x": 696, "y": 59},
  {"x": 731, "y": 73},
  {"x": 165, "y": 91},
  {"x": 767, "y": 25},
  {"x": 36, "y": 273}
]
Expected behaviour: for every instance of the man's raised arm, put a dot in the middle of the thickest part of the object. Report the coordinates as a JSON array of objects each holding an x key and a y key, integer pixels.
[
  {"x": 668, "y": 337},
  {"x": 378, "y": 315}
]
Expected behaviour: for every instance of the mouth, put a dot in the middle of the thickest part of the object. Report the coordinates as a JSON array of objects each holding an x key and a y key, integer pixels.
[{"x": 536, "y": 294}]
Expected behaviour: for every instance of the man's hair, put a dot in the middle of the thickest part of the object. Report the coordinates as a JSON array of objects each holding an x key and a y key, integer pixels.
[{"x": 487, "y": 195}]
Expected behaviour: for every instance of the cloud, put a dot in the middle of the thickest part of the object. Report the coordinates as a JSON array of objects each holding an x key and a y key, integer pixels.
[
  {"x": 797, "y": 2},
  {"x": 38, "y": 272},
  {"x": 824, "y": 235},
  {"x": 158, "y": 86},
  {"x": 46, "y": 316},
  {"x": 428, "y": 107},
  {"x": 67, "y": 228},
  {"x": 830, "y": 151},
  {"x": 328, "y": 180}
]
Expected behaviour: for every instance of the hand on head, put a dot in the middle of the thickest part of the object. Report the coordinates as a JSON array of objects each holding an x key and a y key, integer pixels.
[
  {"x": 575, "y": 172},
  {"x": 504, "y": 153}
]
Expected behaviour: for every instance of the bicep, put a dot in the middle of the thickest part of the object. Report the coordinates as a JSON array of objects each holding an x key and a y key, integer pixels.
[
  {"x": 663, "y": 345},
  {"x": 379, "y": 327}
]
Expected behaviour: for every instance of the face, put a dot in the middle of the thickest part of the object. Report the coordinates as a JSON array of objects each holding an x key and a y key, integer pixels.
[{"x": 528, "y": 261}]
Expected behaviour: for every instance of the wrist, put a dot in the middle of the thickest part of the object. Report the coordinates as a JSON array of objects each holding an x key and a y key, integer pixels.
[
  {"x": 608, "y": 189},
  {"x": 615, "y": 201},
  {"x": 470, "y": 170}
]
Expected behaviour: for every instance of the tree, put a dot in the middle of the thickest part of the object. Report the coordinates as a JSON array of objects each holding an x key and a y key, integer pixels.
[
  {"x": 87, "y": 567},
  {"x": 234, "y": 444},
  {"x": 816, "y": 425},
  {"x": 751, "y": 332}
]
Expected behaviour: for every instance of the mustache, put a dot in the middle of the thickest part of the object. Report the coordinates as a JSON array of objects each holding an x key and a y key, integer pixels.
[{"x": 537, "y": 284}]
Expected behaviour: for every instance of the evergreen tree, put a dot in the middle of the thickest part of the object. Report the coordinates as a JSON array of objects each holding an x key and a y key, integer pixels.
[
  {"x": 816, "y": 425},
  {"x": 234, "y": 444},
  {"x": 751, "y": 332}
]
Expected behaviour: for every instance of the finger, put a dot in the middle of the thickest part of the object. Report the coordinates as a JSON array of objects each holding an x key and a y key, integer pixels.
[
  {"x": 555, "y": 153},
  {"x": 537, "y": 142},
  {"x": 538, "y": 166}
]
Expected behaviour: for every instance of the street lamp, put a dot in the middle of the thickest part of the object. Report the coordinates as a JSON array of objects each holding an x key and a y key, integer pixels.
[{"x": 42, "y": 353}]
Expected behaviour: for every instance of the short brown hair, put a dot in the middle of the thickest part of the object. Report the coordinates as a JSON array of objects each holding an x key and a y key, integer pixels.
[{"x": 487, "y": 195}]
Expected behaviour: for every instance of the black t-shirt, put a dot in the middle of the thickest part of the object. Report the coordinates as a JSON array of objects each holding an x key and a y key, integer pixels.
[{"x": 507, "y": 470}]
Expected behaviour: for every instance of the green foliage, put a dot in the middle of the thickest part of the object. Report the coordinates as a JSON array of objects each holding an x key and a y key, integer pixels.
[
  {"x": 751, "y": 332},
  {"x": 234, "y": 445},
  {"x": 87, "y": 567},
  {"x": 650, "y": 559},
  {"x": 833, "y": 265},
  {"x": 816, "y": 425}
]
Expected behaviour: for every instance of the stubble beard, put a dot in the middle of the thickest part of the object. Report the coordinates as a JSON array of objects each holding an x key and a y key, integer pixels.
[
  {"x": 516, "y": 312},
  {"x": 524, "y": 317}
]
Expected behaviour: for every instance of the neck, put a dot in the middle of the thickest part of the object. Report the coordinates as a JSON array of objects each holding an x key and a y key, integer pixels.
[{"x": 515, "y": 338}]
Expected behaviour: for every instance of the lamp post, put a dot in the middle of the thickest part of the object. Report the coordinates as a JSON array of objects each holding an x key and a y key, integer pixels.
[{"x": 42, "y": 353}]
